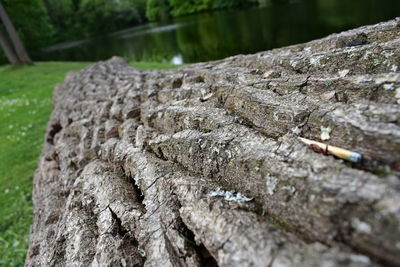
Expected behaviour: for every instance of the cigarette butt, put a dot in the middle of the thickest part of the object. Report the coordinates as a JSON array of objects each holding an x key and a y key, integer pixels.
[{"x": 336, "y": 151}]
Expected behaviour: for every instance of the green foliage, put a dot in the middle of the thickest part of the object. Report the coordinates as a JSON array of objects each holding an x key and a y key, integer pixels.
[
  {"x": 232, "y": 3},
  {"x": 44, "y": 22},
  {"x": 31, "y": 21},
  {"x": 141, "y": 65},
  {"x": 157, "y": 9},
  {"x": 183, "y": 7},
  {"x": 99, "y": 16},
  {"x": 75, "y": 19},
  {"x": 62, "y": 15}
]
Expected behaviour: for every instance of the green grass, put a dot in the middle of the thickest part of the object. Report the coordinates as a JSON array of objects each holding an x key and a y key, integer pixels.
[
  {"x": 25, "y": 107},
  {"x": 152, "y": 65}
]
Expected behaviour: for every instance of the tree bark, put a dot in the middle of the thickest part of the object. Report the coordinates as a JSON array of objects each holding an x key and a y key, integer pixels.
[
  {"x": 203, "y": 166},
  {"x": 8, "y": 48},
  {"x": 19, "y": 48}
]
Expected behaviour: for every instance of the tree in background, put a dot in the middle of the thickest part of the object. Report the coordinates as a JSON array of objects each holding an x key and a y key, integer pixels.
[
  {"x": 99, "y": 16},
  {"x": 181, "y": 7},
  {"x": 12, "y": 44},
  {"x": 157, "y": 9},
  {"x": 74, "y": 19},
  {"x": 55, "y": 10},
  {"x": 32, "y": 23}
]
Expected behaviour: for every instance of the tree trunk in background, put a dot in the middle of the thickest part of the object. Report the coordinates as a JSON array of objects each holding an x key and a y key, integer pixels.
[
  {"x": 16, "y": 41},
  {"x": 8, "y": 48},
  {"x": 202, "y": 165},
  {"x": 52, "y": 13}
]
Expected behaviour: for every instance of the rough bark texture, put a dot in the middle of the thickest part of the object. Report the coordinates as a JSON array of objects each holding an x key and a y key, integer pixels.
[{"x": 157, "y": 168}]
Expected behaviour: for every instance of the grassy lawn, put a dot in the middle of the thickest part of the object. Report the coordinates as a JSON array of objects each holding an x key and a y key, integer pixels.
[{"x": 25, "y": 106}]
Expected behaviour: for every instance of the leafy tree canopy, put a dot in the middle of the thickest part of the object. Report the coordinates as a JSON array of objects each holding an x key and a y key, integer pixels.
[{"x": 31, "y": 20}]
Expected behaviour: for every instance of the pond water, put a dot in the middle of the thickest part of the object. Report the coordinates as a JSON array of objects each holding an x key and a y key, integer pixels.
[{"x": 215, "y": 35}]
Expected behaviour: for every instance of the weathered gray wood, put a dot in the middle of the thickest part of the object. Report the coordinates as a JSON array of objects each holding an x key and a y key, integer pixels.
[{"x": 202, "y": 165}]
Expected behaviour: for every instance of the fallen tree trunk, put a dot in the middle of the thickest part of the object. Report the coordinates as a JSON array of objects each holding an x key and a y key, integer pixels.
[{"x": 202, "y": 165}]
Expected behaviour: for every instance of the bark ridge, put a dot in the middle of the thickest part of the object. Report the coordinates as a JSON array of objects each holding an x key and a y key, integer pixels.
[{"x": 202, "y": 165}]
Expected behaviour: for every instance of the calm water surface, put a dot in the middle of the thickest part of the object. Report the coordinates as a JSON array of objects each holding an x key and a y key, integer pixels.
[{"x": 215, "y": 35}]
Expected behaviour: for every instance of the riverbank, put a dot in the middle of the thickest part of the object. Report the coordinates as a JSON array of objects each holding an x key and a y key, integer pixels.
[
  {"x": 25, "y": 107},
  {"x": 216, "y": 35}
]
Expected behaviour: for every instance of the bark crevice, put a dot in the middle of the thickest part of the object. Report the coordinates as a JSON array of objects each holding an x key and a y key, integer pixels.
[{"x": 155, "y": 168}]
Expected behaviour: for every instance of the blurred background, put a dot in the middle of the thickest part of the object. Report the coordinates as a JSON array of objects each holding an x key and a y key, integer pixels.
[
  {"x": 66, "y": 35},
  {"x": 181, "y": 31}
]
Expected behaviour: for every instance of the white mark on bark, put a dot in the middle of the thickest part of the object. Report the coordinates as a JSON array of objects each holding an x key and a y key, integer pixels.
[
  {"x": 325, "y": 133},
  {"x": 387, "y": 78},
  {"x": 397, "y": 95},
  {"x": 389, "y": 86},
  {"x": 229, "y": 195},
  {"x": 343, "y": 73},
  {"x": 316, "y": 61},
  {"x": 387, "y": 54},
  {"x": 296, "y": 130},
  {"x": 361, "y": 227},
  {"x": 290, "y": 189},
  {"x": 271, "y": 184},
  {"x": 360, "y": 258}
]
